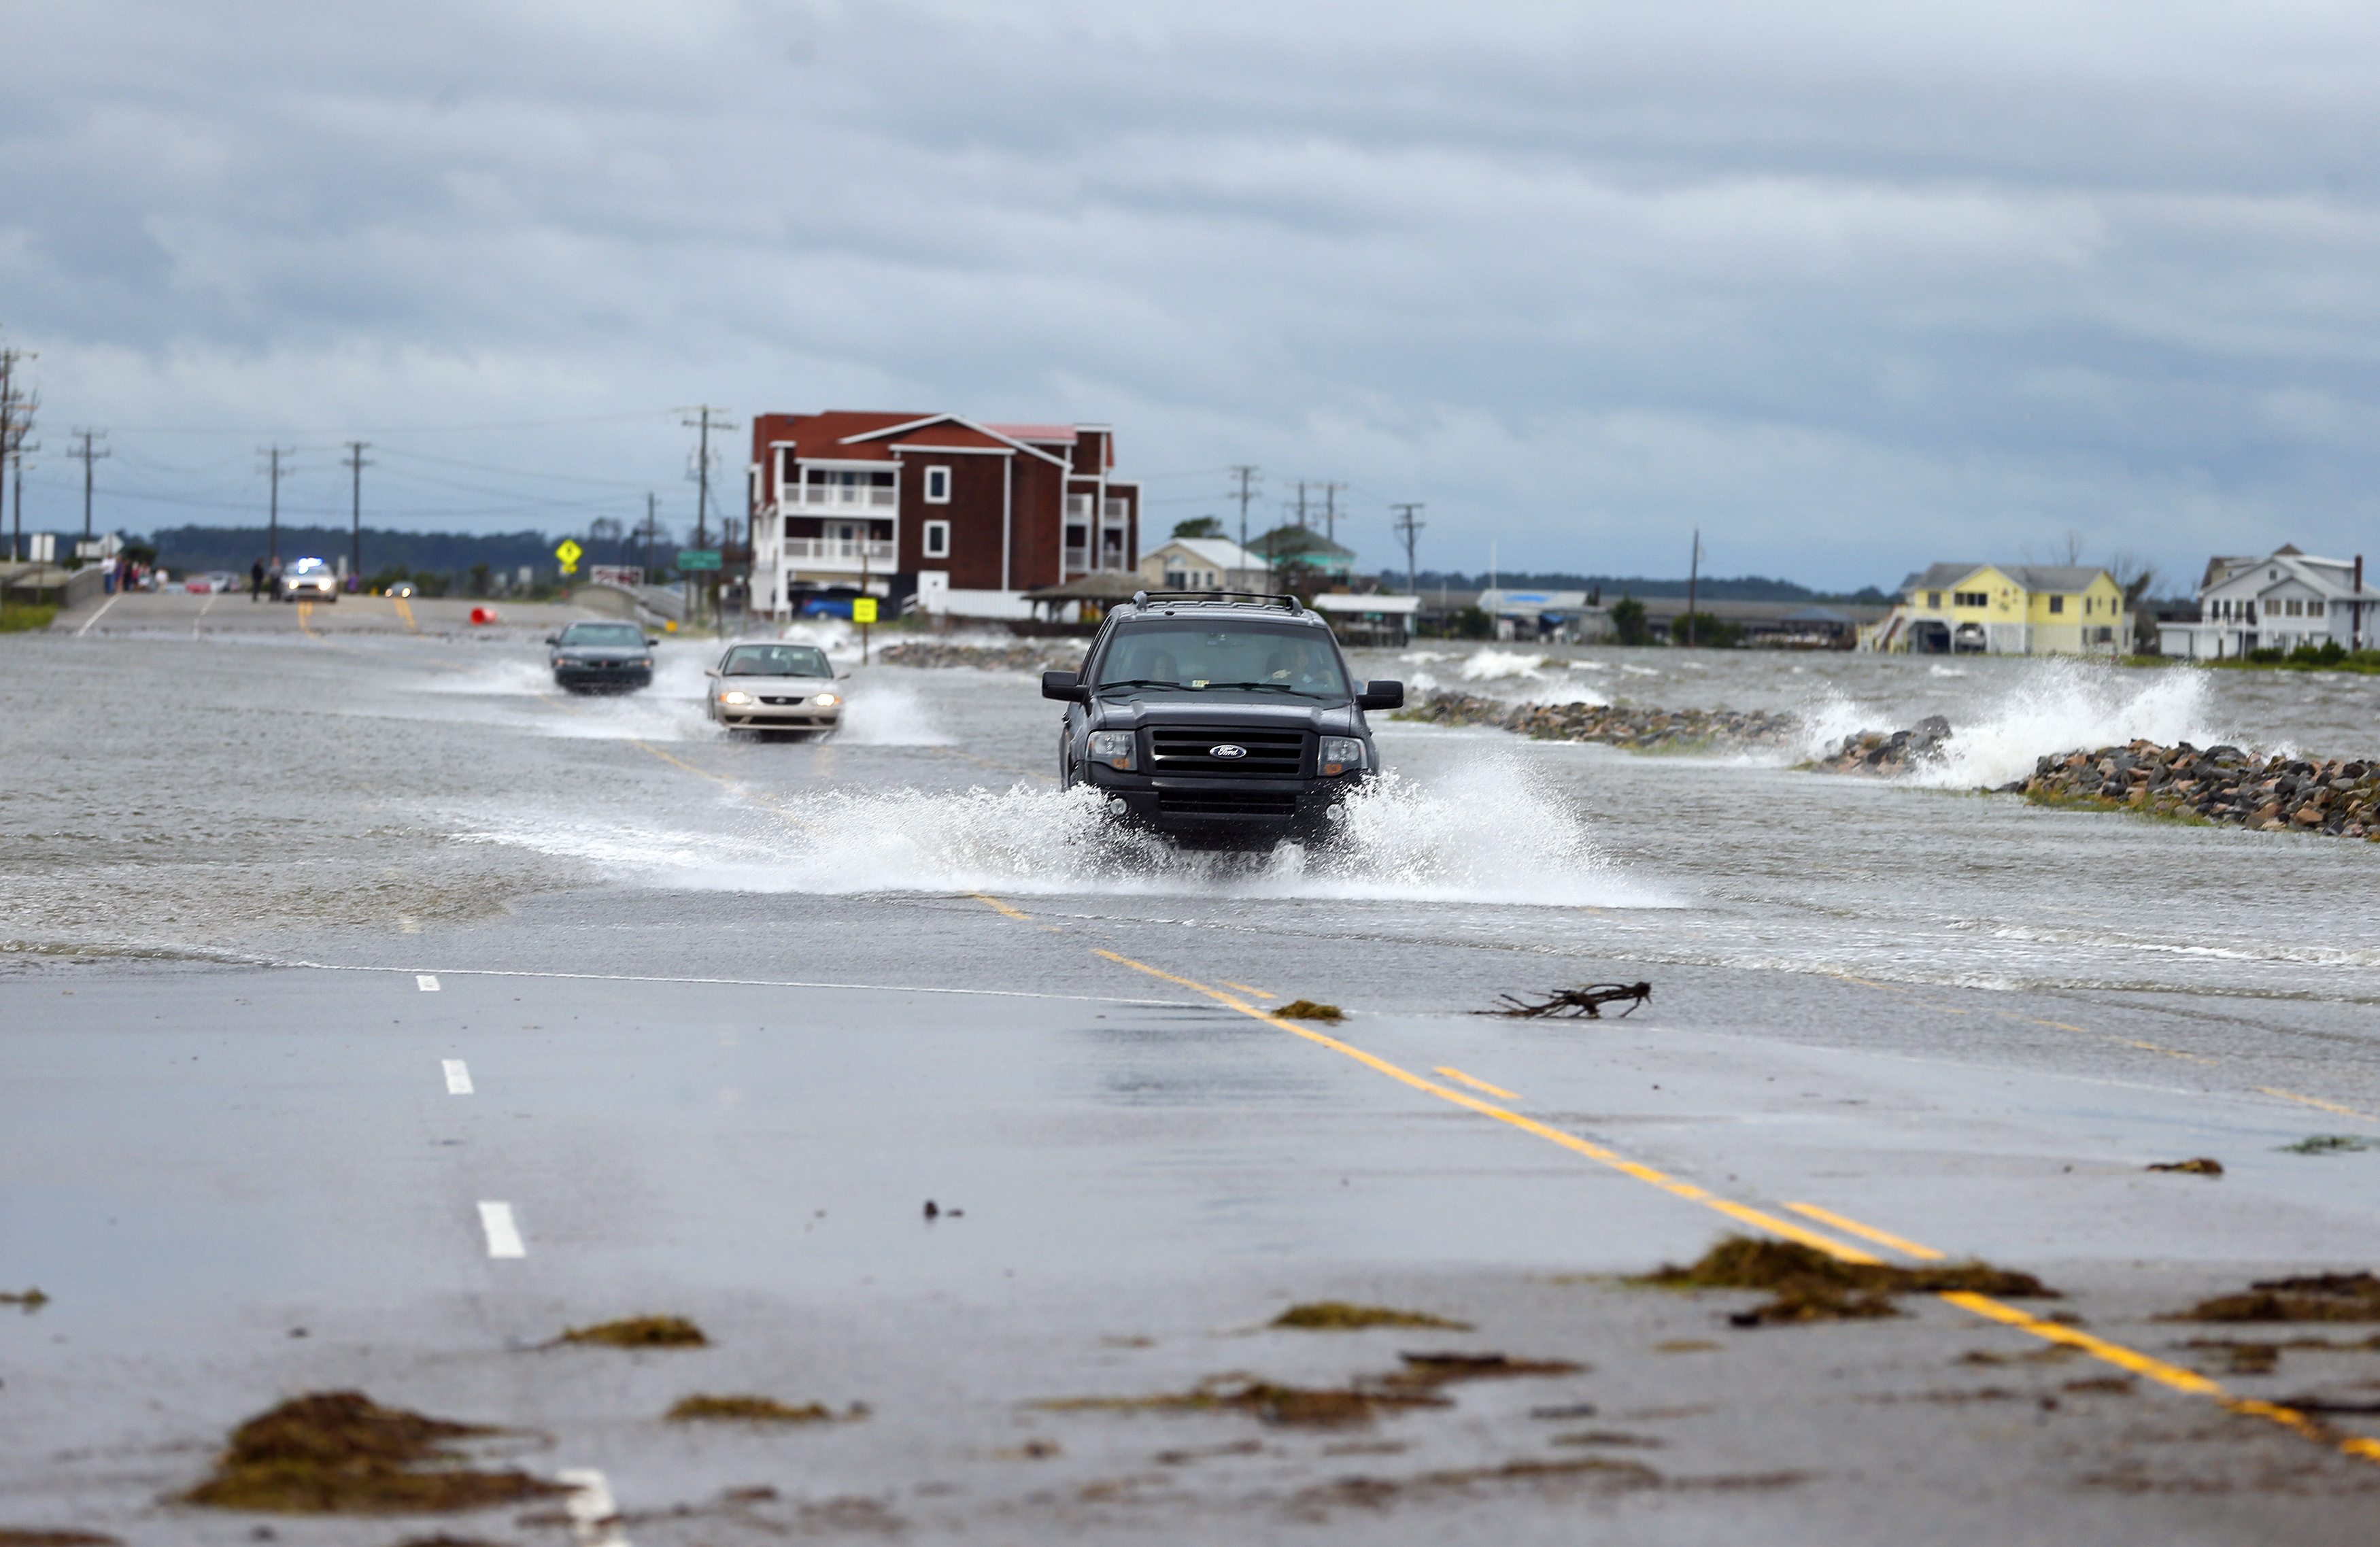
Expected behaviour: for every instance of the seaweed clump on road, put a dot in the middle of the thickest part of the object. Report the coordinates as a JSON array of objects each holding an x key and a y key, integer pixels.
[
  {"x": 37, "y": 1538},
  {"x": 700, "y": 1408},
  {"x": 2314, "y": 1298},
  {"x": 32, "y": 1300},
  {"x": 1811, "y": 1286},
  {"x": 341, "y": 1452},
  {"x": 1345, "y": 1316},
  {"x": 1296, "y": 1406},
  {"x": 1306, "y": 1009},
  {"x": 1358, "y": 1402},
  {"x": 639, "y": 1331}
]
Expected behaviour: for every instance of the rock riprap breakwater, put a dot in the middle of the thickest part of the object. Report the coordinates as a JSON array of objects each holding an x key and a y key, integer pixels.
[
  {"x": 2218, "y": 785},
  {"x": 1877, "y": 752},
  {"x": 1641, "y": 730},
  {"x": 1047, "y": 655}
]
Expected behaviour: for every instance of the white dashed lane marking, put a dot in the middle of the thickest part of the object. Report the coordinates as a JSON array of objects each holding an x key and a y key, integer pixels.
[
  {"x": 503, "y": 1235},
  {"x": 594, "y": 1519},
  {"x": 426, "y": 982},
  {"x": 458, "y": 1076}
]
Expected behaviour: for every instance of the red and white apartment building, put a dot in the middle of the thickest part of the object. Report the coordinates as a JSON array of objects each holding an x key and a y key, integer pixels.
[{"x": 968, "y": 517}]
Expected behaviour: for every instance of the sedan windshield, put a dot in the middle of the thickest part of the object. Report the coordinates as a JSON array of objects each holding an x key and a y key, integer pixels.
[
  {"x": 610, "y": 635},
  {"x": 776, "y": 660},
  {"x": 1233, "y": 658}
]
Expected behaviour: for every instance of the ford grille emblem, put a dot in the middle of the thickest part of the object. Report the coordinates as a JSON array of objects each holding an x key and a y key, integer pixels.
[{"x": 1227, "y": 750}]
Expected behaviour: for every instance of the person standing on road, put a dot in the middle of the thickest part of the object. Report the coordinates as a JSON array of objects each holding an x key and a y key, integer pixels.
[
  {"x": 256, "y": 579},
  {"x": 272, "y": 577}
]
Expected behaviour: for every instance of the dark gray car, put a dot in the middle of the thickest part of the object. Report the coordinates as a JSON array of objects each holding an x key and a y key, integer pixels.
[{"x": 601, "y": 658}]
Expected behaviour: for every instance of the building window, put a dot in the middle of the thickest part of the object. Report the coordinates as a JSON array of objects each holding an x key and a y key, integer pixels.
[
  {"x": 1933, "y": 598},
  {"x": 937, "y": 486},
  {"x": 938, "y": 533},
  {"x": 2058, "y": 604},
  {"x": 1970, "y": 599}
]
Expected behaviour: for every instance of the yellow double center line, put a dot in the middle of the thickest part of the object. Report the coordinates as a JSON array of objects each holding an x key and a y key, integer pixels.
[{"x": 2129, "y": 1359}]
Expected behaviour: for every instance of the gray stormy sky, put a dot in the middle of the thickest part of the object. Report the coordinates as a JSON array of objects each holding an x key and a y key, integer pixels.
[{"x": 1853, "y": 286}]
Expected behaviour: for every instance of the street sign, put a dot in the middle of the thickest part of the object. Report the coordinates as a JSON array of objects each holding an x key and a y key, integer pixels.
[
  {"x": 863, "y": 609},
  {"x": 569, "y": 553},
  {"x": 698, "y": 558}
]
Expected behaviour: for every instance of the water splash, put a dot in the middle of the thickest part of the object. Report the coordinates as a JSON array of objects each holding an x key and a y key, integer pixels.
[
  {"x": 1487, "y": 664},
  {"x": 2058, "y": 706},
  {"x": 1492, "y": 833}
]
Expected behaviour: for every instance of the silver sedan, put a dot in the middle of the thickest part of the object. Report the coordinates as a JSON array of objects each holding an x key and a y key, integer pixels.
[{"x": 775, "y": 688}]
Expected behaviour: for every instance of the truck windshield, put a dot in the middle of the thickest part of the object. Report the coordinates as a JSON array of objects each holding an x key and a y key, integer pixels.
[{"x": 1235, "y": 659}]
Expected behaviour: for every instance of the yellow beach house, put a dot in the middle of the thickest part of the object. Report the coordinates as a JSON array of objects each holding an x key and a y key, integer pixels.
[{"x": 2006, "y": 609}]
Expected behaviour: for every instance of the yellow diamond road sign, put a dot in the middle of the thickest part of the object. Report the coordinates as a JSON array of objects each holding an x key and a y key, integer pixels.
[{"x": 569, "y": 554}]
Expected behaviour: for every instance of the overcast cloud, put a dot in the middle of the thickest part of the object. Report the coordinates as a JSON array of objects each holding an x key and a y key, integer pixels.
[{"x": 1853, "y": 287}]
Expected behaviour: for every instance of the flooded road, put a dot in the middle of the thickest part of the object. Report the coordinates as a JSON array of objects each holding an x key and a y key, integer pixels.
[{"x": 729, "y": 1012}]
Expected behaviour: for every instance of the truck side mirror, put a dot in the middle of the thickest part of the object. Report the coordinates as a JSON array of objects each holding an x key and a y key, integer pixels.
[
  {"x": 1066, "y": 687},
  {"x": 1381, "y": 695},
  {"x": 553, "y": 639}
]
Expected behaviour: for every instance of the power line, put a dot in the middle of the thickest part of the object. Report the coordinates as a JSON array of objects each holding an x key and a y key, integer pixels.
[{"x": 397, "y": 428}]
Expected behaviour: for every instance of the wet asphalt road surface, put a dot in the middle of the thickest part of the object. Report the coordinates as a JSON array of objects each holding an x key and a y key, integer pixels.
[{"x": 404, "y": 1158}]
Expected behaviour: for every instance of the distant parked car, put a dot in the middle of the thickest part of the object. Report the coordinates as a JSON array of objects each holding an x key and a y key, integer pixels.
[
  {"x": 775, "y": 688},
  {"x": 213, "y": 581},
  {"x": 601, "y": 658},
  {"x": 310, "y": 579}
]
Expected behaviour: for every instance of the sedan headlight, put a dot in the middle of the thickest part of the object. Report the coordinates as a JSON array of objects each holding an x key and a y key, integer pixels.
[
  {"x": 735, "y": 696},
  {"x": 826, "y": 700},
  {"x": 1342, "y": 753},
  {"x": 1112, "y": 748}
]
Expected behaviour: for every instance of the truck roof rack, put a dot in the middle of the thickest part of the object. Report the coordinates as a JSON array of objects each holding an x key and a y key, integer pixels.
[{"x": 1214, "y": 598}]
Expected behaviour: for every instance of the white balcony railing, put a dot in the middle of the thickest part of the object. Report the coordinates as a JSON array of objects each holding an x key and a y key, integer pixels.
[
  {"x": 846, "y": 552},
  {"x": 838, "y": 496},
  {"x": 1077, "y": 560}
]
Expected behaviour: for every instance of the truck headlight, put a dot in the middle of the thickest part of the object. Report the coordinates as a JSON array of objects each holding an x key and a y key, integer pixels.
[
  {"x": 1342, "y": 754},
  {"x": 735, "y": 696},
  {"x": 826, "y": 700},
  {"x": 1112, "y": 748}
]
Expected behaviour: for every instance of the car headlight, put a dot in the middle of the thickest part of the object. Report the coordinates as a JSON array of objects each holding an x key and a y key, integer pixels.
[
  {"x": 737, "y": 696},
  {"x": 1342, "y": 753},
  {"x": 647, "y": 663},
  {"x": 1112, "y": 748},
  {"x": 826, "y": 700}
]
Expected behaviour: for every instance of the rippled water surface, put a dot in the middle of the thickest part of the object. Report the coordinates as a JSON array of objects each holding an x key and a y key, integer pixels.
[{"x": 256, "y": 796}]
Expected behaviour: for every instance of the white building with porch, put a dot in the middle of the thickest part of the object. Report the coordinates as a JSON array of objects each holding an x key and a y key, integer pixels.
[{"x": 2279, "y": 602}]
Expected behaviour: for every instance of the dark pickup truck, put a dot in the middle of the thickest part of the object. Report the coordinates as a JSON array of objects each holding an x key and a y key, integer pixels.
[{"x": 1221, "y": 719}]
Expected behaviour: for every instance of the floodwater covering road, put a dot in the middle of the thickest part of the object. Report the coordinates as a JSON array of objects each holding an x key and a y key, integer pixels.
[{"x": 373, "y": 1014}]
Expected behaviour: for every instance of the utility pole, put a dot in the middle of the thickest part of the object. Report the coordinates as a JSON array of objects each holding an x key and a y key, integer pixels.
[
  {"x": 87, "y": 453},
  {"x": 1246, "y": 475},
  {"x": 356, "y": 466},
  {"x": 1330, "y": 510},
  {"x": 16, "y": 424},
  {"x": 1301, "y": 504},
  {"x": 1408, "y": 528},
  {"x": 704, "y": 421},
  {"x": 274, "y": 465},
  {"x": 1693, "y": 573},
  {"x": 17, "y": 459},
  {"x": 650, "y": 524}
]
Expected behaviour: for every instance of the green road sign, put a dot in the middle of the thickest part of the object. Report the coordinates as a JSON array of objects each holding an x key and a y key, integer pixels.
[{"x": 698, "y": 558}]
